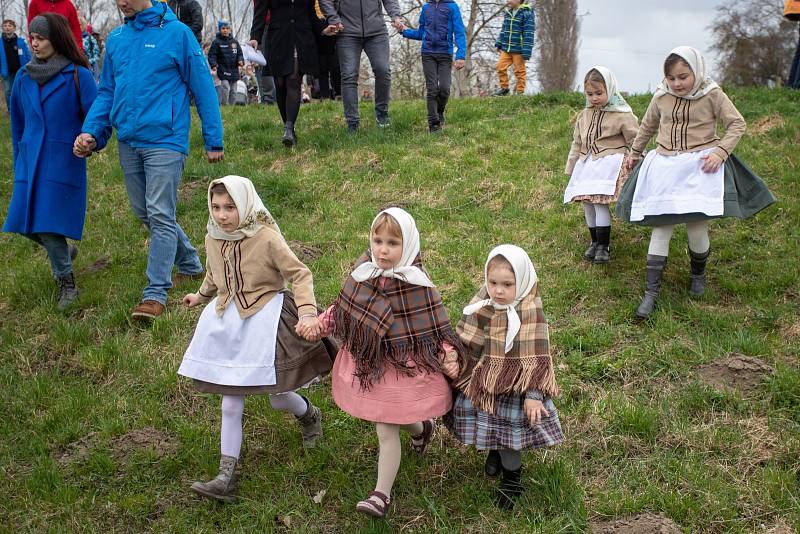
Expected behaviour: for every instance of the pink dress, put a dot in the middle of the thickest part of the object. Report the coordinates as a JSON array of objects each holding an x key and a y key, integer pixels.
[{"x": 395, "y": 399}]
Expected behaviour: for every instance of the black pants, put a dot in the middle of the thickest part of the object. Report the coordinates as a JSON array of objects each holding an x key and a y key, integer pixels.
[
  {"x": 438, "y": 70},
  {"x": 289, "y": 89},
  {"x": 330, "y": 76}
]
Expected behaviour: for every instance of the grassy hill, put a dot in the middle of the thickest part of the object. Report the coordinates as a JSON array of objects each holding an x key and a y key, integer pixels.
[{"x": 98, "y": 433}]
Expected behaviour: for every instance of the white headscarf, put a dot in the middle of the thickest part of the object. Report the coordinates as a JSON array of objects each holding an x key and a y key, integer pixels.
[
  {"x": 404, "y": 270},
  {"x": 616, "y": 102},
  {"x": 526, "y": 279},
  {"x": 252, "y": 212},
  {"x": 703, "y": 84}
]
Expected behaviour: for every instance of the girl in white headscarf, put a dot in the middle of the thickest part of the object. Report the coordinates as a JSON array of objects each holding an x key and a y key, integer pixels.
[
  {"x": 394, "y": 332},
  {"x": 248, "y": 339},
  {"x": 604, "y": 131},
  {"x": 692, "y": 176},
  {"x": 503, "y": 400}
]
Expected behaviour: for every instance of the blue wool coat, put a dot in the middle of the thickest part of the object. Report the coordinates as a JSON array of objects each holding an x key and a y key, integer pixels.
[{"x": 49, "y": 181}]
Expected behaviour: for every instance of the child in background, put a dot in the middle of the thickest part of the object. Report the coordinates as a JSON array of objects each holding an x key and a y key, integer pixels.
[
  {"x": 604, "y": 131},
  {"x": 515, "y": 44},
  {"x": 246, "y": 341},
  {"x": 692, "y": 176},
  {"x": 225, "y": 57},
  {"x": 394, "y": 331},
  {"x": 13, "y": 56},
  {"x": 503, "y": 398},
  {"x": 440, "y": 26}
]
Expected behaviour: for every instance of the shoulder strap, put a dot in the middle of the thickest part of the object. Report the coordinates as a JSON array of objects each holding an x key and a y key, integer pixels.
[{"x": 78, "y": 90}]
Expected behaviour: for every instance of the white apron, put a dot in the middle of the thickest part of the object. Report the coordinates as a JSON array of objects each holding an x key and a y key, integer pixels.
[{"x": 594, "y": 176}]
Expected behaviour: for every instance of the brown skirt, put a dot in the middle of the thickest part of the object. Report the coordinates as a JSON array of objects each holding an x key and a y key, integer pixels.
[
  {"x": 605, "y": 199},
  {"x": 297, "y": 361}
]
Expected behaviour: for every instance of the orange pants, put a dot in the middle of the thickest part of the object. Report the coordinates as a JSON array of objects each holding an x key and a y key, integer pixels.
[{"x": 504, "y": 62}]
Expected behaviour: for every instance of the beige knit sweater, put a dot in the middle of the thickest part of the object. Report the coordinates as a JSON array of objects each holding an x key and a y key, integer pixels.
[
  {"x": 690, "y": 125},
  {"x": 252, "y": 271},
  {"x": 601, "y": 133}
]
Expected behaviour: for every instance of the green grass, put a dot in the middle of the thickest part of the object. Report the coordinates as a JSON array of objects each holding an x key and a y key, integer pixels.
[{"x": 643, "y": 434}]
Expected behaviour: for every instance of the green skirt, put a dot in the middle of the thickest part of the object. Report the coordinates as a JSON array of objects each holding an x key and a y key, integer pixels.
[{"x": 745, "y": 195}]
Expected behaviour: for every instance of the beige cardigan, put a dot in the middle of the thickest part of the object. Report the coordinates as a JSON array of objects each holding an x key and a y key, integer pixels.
[
  {"x": 252, "y": 271},
  {"x": 690, "y": 125},
  {"x": 601, "y": 133}
]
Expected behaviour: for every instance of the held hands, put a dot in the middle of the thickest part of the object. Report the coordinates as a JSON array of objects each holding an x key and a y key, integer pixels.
[
  {"x": 459, "y": 64},
  {"x": 630, "y": 162},
  {"x": 333, "y": 29},
  {"x": 398, "y": 24},
  {"x": 450, "y": 365},
  {"x": 191, "y": 299},
  {"x": 309, "y": 327},
  {"x": 253, "y": 43},
  {"x": 535, "y": 411},
  {"x": 84, "y": 145},
  {"x": 712, "y": 163},
  {"x": 215, "y": 156}
]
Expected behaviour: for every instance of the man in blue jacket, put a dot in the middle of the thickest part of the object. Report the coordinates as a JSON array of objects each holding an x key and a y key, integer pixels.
[
  {"x": 152, "y": 63},
  {"x": 13, "y": 57}
]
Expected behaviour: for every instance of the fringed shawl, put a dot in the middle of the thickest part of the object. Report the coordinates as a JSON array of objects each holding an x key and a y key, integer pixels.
[
  {"x": 400, "y": 326},
  {"x": 528, "y": 365}
]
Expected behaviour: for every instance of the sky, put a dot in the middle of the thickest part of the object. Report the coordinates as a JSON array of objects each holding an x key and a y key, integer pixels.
[{"x": 633, "y": 37}]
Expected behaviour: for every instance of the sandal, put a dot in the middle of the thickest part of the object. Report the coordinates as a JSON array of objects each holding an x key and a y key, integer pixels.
[
  {"x": 376, "y": 505},
  {"x": 420, "y": 442}
]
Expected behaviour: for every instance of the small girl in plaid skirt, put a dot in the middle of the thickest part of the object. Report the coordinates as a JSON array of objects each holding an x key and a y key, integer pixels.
[
  {"x": 395, "y": 332},
  {"x": 503, "y": 398}
]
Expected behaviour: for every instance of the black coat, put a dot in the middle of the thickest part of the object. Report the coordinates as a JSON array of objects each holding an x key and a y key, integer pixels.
[
  {"x": 225, "y": 54},
  {"x": 293, "y": 25},
  {"x": 190, "y": 13}
]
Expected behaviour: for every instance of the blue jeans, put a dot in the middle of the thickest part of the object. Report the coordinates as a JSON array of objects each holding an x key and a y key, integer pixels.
[
  {"x": 152, "y": 176},
  {"x": 57, "y": 250},
  {"x": 8, "y": 83},
  {"x": 349, "y": 48}
]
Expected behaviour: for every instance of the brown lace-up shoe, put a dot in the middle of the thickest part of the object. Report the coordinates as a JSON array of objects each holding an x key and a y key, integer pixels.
[{"x": 148, "y": 309}]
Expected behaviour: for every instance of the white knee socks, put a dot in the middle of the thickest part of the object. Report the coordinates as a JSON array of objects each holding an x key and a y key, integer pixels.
[
  {"x": 289, "y": 402},
  {"x": 697, "y": 232},
  {"x": 596, "y": 215},
  {"x": 231, "y": 433}
]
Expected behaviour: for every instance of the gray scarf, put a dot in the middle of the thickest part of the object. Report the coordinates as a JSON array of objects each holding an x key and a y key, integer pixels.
[{"x": 43, "y": 71}]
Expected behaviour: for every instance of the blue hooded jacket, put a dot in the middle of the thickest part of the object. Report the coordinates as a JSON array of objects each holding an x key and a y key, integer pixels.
[
  {"x": 24, "y": 57},
  {"x": 152, "y": 63},
  {"x": 439, "y": 25}
]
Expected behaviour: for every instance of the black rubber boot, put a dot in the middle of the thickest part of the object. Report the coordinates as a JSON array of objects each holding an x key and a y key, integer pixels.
[
  {"x": 592, "y": 250},
  {"x": 510, "y": 488},
  {"x": 289, "y": 138},
  {"x": 698, "y": 262},
  {"x": 655, "y": 271},
  {"x": 492, "y": 466},
  {"x": 603, "y": 240},
  {"x": 67, "y": 291}
]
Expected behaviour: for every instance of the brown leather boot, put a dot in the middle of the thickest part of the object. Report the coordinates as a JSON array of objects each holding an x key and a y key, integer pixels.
[
  {"x": 223, "y": 487},
  {"x": 310, "y": 425},
  {"x": 148, "y": 309}
]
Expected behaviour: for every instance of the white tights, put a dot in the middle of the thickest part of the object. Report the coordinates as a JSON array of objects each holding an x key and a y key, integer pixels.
[
  {"x": 233, "y": 409},
  {"x": 697, "y": 233},
  {"x": 389, "y": 453},
  {"x": 596, "y": 215}
]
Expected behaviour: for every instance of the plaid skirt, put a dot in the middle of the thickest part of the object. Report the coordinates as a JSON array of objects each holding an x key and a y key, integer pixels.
[{"x": 508, "y": 429}]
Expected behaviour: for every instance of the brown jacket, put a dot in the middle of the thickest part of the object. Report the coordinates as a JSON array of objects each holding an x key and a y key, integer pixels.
[
  {"x": 252, "y": 271},
  {"x": 601, "y": 133},
  {"x": 690, "y": 125}
]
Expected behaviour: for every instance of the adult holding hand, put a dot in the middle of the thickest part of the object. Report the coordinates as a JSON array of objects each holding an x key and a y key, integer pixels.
[
  {"x": 48, "y": 204},
  {"x": 291, "y": 52},
  {"x": 359, "y": 25},
  {"x": 153, "y": 62}
]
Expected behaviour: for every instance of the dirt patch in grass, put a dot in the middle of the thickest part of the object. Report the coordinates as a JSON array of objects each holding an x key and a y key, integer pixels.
[
  {"x": 187, "y": 189},
  {"x": 646, "y": 523},
  {"x": 122, "y": 447},
  {"x": 737, "y": 372},
  {"x": 304, "y": 251},
  {"x": 765, "y": 124},
  {"x": 98, "y": 265}
]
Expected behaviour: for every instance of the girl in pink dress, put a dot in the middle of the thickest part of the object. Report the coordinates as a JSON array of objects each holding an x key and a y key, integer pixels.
[{"x": 395, "y": 333}]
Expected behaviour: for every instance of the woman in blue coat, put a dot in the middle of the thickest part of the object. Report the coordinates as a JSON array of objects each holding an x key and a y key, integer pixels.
[{"x": 50, "y": 97}]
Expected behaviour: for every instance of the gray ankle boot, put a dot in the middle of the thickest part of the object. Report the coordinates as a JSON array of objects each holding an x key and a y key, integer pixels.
[
  {"x": 223, "y": 487},
  {"x": 67, "y": 291},
  {"x": 590, "y": 252},
  {"x": 655, "y": 270},
  {"x": 698, "y": 270},
  {"x": 310, "y": 425}
]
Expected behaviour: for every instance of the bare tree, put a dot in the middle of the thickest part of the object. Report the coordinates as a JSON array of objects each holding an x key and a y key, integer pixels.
[
  {"x": 753, "y": 42},
  {"x": 558, "y": 31}
]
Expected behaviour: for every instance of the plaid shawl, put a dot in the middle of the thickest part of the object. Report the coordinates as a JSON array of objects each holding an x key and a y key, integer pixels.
[
  {"x": 400, "y": 325},
  {"x": 528, "y": 365}
]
